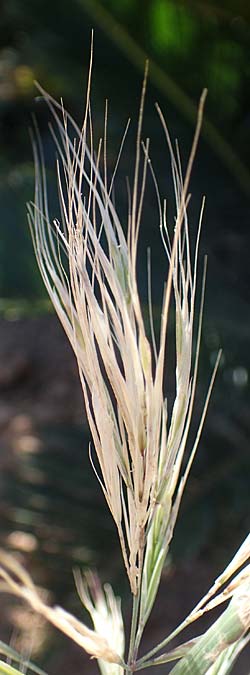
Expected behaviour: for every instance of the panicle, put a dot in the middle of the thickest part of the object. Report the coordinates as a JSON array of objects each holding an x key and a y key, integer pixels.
[{"x": 89, "y": 269}]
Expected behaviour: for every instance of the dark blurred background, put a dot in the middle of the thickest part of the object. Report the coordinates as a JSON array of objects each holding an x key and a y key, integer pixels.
[{"x": 52, "y": 511}]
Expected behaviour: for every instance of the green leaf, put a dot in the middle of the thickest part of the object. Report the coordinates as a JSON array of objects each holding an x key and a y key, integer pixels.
[
  {"x": 6, "y": 669},
  {"x": 226, "y": 631},
  {"x": 15, "y": 656}
]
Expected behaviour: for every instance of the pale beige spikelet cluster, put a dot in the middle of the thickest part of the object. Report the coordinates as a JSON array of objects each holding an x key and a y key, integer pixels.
[
  {"x": 105, "y": 611},
  {"x": 89, "y": 268},
  {"x": 99, "y": 643}
]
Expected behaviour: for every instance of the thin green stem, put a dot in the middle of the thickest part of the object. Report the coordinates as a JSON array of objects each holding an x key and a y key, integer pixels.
[
  {"x": 147, "y": 664},
  {"x": 139, "y": 635},
  {"x": 142, "y": 662},
  {"x": 134, "y": 620}
]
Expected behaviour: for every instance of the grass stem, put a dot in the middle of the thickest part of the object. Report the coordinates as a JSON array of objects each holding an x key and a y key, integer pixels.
[{"x": 132, "y": 641}]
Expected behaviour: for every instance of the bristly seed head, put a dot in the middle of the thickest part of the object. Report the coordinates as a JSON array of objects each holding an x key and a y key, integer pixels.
[{"x": 89, "y": 268}]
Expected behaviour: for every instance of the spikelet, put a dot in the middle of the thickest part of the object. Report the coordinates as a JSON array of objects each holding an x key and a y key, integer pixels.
[
  {"x": 105, "y": 611},
  {"x": 15, "y": 579}
]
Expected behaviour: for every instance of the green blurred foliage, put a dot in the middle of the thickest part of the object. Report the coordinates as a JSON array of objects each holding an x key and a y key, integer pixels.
[{"x": 172, "y": 29}]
